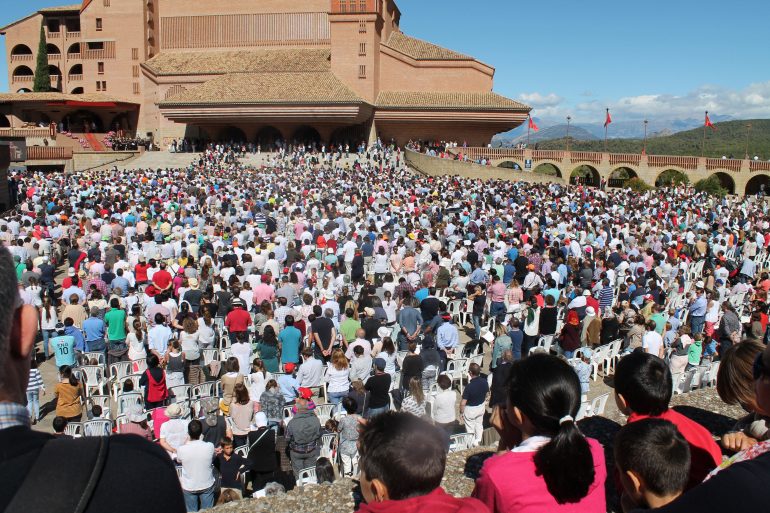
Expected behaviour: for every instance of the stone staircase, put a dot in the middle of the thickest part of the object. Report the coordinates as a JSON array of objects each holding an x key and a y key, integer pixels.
[{"x": 160, "y": 160}]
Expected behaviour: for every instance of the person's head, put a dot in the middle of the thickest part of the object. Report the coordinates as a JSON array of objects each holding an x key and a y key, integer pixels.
[
  {"x": 653, "y": 461},
  {"x": 358, "y": 351},
  {"x": 307, "y": 353},
  {"x": 642, "y": 384},
  {"x": 544, "y": 398},
  {"x": 444, "y": 382},
  {"x": 350, "y": 405},
  {"x": 735, "y": 378},
  {"x": 194, "y": 429},
  {"x": 271, "y": 384},
  {"x": 59, "y": 424},
  {"x": 388, "y": 346},
  {"x": 415, "y": 389},
  {"x": 227, "y": 445},
  {"x": 401, "y": 456},
  {"x": 231, "y": 365},
  {"x": 18, "y": 331},
  {"x": 241, "y": 393},
  {"x": 68, "y": 375},
  {"x": 338, "y": 360},
  {"x": 324, "y": 471}
]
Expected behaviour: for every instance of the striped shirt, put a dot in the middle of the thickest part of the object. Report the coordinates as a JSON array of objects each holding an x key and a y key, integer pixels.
[
  {"x": 606, "y": 296},
  {"x": 35, "y": 381},
  {"x": 13, "y": 415}
]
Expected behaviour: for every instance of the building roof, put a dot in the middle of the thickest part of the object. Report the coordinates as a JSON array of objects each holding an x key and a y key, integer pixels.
[
  {"x": 60, "y": 8},
  {"x": 60, "y": 97},
  {"x": 263, "y": 88},
  {"x": 422, "y": 50},
  {"x": 440, "y": 100},
  {"x": 253, "y": 61}
]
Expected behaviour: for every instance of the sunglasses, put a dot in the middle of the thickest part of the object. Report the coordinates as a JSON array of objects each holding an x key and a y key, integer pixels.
[{"x": 759, "y": 370}]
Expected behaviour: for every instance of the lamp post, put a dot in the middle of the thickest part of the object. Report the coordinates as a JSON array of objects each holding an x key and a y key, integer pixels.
[
  {"x": 644, "y": 150},
  {"x": 569, "y": 118},
  {"x": 748, "y": 131}
]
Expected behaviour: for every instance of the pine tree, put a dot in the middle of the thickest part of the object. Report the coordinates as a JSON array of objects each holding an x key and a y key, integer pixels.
[{"x": 42, "y": 74}]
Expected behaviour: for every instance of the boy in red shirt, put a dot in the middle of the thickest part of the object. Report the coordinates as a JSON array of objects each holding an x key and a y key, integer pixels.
[
  {"x": 643, "y": 388},
  {"x": 402, "y": 459},
  {"x": 238, "y": 320}
]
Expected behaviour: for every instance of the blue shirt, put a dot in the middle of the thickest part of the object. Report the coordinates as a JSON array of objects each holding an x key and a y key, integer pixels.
[
  {"x": 698, "y": 308},
  {"x": 94, "y": 329},
  {"x": 290, "y": 342},
  {"x": 421, "y": 294},
  {"x": 478, "y": 276},
  {"x": 509, "y": 271},
  {"x": 64, "y": 350},
  {"x": 289, "y": 387},
  {"x": 446, "y": 336},
  {"x": 119, "y": 282},
  {"x": 80, "y": 342}
]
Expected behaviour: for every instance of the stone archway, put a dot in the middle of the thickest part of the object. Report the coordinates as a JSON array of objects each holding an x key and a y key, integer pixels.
[
  {"x": 306, "y": 134},
  {"x": 268, "y": 137},
  {"x": 232, "y": 134},
  {"x": 671, "y": 177},
  {"x": 352, "y": 135},
  {"x": 77, "y": 90},
  {"x": 509, "y": 164},
  {"x": 85, "y": 121},
  {"x": 585, "y": 175},
  {"x": 546, "y": 168},
  {"x": 53, "y": 50},
  {"x": 620, "y": 175},
  {"x": 755, "y": 185},
  {"x": 23, "y": 71},
  {"x": 726, "y": 181}
]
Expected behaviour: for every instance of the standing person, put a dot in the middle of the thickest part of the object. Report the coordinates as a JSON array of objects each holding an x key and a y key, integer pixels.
[
  {"x": 70, "y": 395},
  {"x": 154, "y": 382},
  {"x": 531, "y": 326},
  {"x": 230, "y": 466},
  {"x": 348, "y": 430},
  {"x": 268, "y": 349},
  {"x": 557, "y": 468},
  {"x": 652, "y": 342},
  {"x": 338, "y": 378},
  {"x": 63, "y": 348},
  {"x": 48, "y": 322},
  {"x": 473, "y": 405},
  {"x": 698, "y": 306},
  {"x": 479, "y": 302},
  {"x": 378, "y": 387},
  {"x": 196, "y": 457},
  {"x": 303, "y": 435},
  {"x": 115, "y": 320},
  {"x": 35, "y": 389},
  {"x": 291, "y": 340},
  {"x": 174, "y": 365},
  {"x": 444, "y": 405}
]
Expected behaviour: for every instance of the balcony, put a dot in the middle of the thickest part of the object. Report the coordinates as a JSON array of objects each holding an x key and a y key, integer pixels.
[
  {"x": 24, "y": 132},
  {"x": 54, "y": 57},
  {"x": 21, "y": 57},
  {"x": 75, "y": 78},
  {"x": 52, "y": 35},
  {"x": 73, "y": 35},
  {"x": 49, "y": 152},
  {"x": 74, "y": 56},
  {"x": 19, "y": 79}
]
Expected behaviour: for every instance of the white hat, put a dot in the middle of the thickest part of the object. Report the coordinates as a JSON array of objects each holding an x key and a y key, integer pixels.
[
  {"x": 590, "y": 310},
  {"x": 384, "y": 331},
  {"x": 329, "y": 294},
  {"x": 699, "y": 284},
  {"x": 173, "y": 410},
  {"x": 71, "y": 271},
  {"x": 586, "y": 292},
  {"x": 136, "y": 413},
  {"x": 260, "y": 419}
]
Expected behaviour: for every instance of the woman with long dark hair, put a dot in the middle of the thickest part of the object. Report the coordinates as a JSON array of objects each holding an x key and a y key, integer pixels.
[{"x": 556, "y": 467}]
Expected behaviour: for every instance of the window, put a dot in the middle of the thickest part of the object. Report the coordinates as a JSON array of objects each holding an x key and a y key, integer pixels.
[
  {"x": 362, "y": 27},
  {"x": 98, "y": 24},
  {"x": 362, "y": 6},
  {"x": 95, "y": 45},
  {"x": 106, "y": 3},
  {"x": 135, "y": 54},
  {"x": 344, "y": 6},
  {"x": 100, "y": 68},
  {"x": 98, "y": 85},
  {"x": 135, "y": 70},
  {"x": 136, "y": 87},
  {"x": 362, "y": 71},
  {"x": 101, "y": 85},
  {"x": 362, "y": 49}
]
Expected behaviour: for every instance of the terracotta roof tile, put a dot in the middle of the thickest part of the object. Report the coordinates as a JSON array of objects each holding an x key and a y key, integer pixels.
[
  {"x": 255, "y": 88},
  {"x": 256, "y": 61},
  {"x": 60, "y": 8},
  {"x": 422, "y": 50},
  {"x": 438, "y": 100},
  {"x": 59, "y": 97}
]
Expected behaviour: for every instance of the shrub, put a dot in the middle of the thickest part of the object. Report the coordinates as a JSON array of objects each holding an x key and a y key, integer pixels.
[
  {"x": 637, "y": 185},
  {"x": 711, "y": 186}
]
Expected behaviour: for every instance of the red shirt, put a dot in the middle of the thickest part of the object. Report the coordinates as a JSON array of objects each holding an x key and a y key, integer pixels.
[
  {"x": 705, "y": 455},
  {"x": 238, "y": 320},
  {"x": 161, "y": 279},
  {"x": 140, "y": 272},
  {"x": 436, "y": 501},
  {"x": 593, "y": 302}
]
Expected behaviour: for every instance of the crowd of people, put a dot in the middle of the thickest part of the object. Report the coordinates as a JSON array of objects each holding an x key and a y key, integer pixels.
[{"x": 317, "y": 317}]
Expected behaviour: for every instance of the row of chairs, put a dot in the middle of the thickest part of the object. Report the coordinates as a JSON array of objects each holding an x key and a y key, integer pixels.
[
  {"x": 95, "y": 427},
  {"x": 695, "y": 378}
]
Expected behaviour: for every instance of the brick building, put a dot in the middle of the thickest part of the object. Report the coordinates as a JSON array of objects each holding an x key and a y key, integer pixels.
[{"x": 256, "y": 70}]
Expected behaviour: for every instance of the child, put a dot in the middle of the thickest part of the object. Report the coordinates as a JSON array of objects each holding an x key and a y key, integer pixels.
[
  {"x": 694, "y": 351},
  {"x": 653, "y": 460},
  {"x": 402, "y": 459},
  {"x": 643, "y": 389},
  {"x": 230, "y": 466},
  {"x": 582, "y": 368},
  {"x": 34, "y": 389}
]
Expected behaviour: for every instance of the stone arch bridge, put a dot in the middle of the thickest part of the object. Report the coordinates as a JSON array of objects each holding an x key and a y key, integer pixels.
[{"x": 737, "y": 176}]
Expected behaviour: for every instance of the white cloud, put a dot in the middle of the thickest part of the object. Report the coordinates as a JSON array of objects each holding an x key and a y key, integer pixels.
[{"x": 752, "y": 101}]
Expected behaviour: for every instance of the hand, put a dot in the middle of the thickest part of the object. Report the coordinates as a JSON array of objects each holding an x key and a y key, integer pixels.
[{"x": 737, "y": 441}]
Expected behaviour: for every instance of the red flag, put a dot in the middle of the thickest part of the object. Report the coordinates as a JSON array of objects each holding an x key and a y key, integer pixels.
[
  {"x": 532, "y": 124},
  {"x": 709, "y": 123},
  {"x": 608, "y": 120}
]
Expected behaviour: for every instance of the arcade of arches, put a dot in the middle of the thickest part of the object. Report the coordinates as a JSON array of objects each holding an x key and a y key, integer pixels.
[{"x": 268, "y": 135}]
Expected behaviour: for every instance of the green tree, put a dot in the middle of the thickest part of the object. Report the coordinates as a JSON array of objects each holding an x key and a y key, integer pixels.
[
  {"x": 711, "y": 185},
  {"x": 42, "y": 75}
]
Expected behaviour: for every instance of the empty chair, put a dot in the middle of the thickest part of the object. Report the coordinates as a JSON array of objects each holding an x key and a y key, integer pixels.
[
  {"x": 460, "y": 442},
  {"x": 74, "y": 429},
  {"x": 324, "y": 412},
  {"x": 138, "y": 366},
  {"x": 202, "y": 390},
  {"x": 307, "y": 476},
  {"x": 599, "y": 404},
  {"x": 97, "y": 427},
  {"x": 120, "y": 370},
  {"x": 583, "y": 411},
  {"x": 209, "y": 355},
  {"x": 328, "y": 445},
  {"x": 127, "y": 400},
  {"x": 287, "y": 414},
  {"x": 181, "y": 392},
  {"x": 686, "y": 384},
  {"x": 455, "y": 369},
  {"x": 94, "y": 378}
]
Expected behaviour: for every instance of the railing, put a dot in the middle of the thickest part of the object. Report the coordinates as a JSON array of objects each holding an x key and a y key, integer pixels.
[
  {"x": 549, "y": 154},
  {"x": 759, "y": 165},
  {"x": 49, "y": 153},
  {"x": 588, "y": 156},
  {"x": 108, "y": 52},
  {"x": 21, "y": 57},
  {"x": 73, "y": 35},
  {"x": 72, "y": 56},
  {"x": 24, "y": 132},
  {"x": 729, "y": 164},
  {"x": 666, "y": 160},
  {"x": 53, "y": 35},
  {"x": 75, "y": 77},
  {"x": 23, "y": 78},
  {"x": 54, "y": 57},
  {"x": 625, "y": 158}
]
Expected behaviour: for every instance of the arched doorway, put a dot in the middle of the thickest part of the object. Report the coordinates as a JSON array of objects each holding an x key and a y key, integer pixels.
[
  {"x": 757, "y": 184},
  {"x": 77, "y": 69},
  {"x": 306, "y": 135},
  {"x": 53, "y": 50},
  {"x": 121, "y": 122},
  {"x": 77, "y": 90},
  {"x": 23, "y": 71},
  {"x": 20, "y": 50},
  {"x": 726, "y": 181},
  {"x": 547, "y": 169},
  {"x": 585, "y": 175},
  {"x": 352, "y": 135},
  {"x": 671, "y": 178},
  {"x": 620, "y": 176},
  {"x": 232, "y": 134},
  {"x": 4, "y": 123},
  {"x": 24, "y": 90},
  {"x": 84, "y": 121},
  {"x": 510, "y": 164},
  {"x": 268, "y": 138}
]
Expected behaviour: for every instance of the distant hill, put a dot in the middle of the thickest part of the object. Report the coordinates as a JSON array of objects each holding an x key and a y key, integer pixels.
[{"x": 729, "y": 138}]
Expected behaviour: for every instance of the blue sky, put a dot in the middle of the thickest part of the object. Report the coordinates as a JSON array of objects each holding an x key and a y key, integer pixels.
[{"x": 673, "y": 58}]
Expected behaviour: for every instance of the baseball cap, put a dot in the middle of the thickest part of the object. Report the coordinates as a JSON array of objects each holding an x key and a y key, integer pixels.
[
  {"x": 380, "y": 363},
  {"x": 288, "y": 367}
]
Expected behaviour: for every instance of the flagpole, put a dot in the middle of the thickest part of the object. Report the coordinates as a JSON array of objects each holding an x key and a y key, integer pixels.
[
  {"x": 703, "y": 145},
  {"x": 529, "y": 125},
  {"x": 605, "y": 131}
]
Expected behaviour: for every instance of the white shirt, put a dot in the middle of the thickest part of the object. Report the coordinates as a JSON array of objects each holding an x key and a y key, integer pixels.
[
  {"x": 174, "y": 432},
  {"x": 196, "y": 458},
  {"x": 651, "y": 342},
  {"x": 444, "y": 406},
  {"x": 243, "y": 353},
  {"x": 158, "y": 337}
]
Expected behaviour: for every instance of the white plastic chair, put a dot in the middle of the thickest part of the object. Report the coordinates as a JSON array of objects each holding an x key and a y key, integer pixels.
[
  {"x": 455, "y": 369},
  {"x": 209, "y": 355},
  {"x": 74, "y": 429},
  {"x": 101, "y": 359},
  {"x": 97, "y": 427},
  {"x": 324, "y": 412},
  {"x": 307, "y": 476},
  {"x": 583, "y": 411},
  {"x": 461, "y": 442},
  {"x": 203, "y": 390},
  {"x": 599, "y": 404},
  {"x": 126, "y": 401},
  {"x": 94, "y": 378},
  {"x": 103, "y": 401},
  {"x": 287, "y": 414},
  {"x": 181, "y": 392},
  {"x": 138, "y": 366},
  {"x": 328, "y": 444}
]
